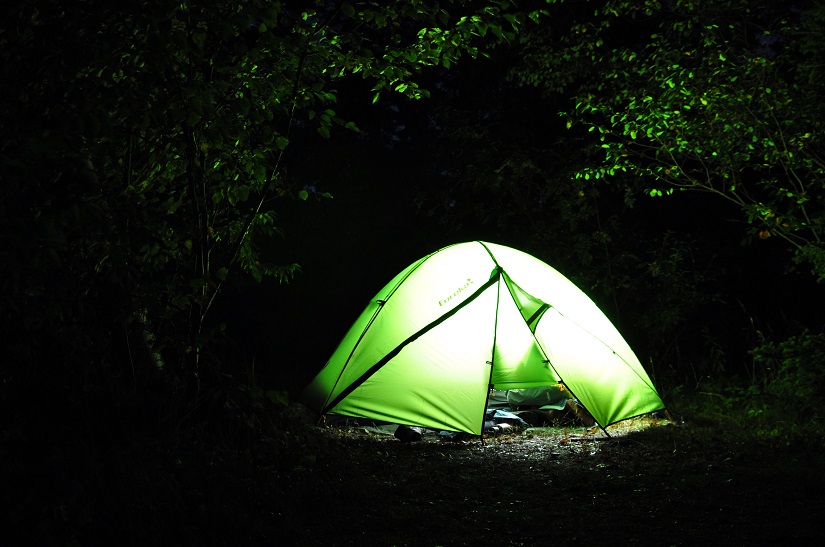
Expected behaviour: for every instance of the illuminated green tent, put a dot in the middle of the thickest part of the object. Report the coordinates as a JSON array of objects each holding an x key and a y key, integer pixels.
[{"x": 469, "y": 318}]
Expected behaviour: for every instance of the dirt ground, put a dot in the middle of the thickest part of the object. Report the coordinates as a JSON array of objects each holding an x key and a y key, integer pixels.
[{"x": 650, "y": 483}]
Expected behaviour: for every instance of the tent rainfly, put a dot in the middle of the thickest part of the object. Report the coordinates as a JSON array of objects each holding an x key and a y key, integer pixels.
[{"x": 473, "y": 317}]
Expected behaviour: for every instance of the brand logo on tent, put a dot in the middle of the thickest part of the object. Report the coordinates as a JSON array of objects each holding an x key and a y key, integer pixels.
[{"x": 458, "y": 291}]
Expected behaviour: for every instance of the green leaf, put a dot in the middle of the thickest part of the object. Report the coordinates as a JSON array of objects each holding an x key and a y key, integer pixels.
[
  {"x": 278, "y": 396},
  {"x": 303, "y": 195},
  {"x": 281, "y": 142}
]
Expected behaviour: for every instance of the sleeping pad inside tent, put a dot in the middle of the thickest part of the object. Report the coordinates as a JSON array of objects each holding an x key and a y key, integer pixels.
[{"x": 470, "y": 319}]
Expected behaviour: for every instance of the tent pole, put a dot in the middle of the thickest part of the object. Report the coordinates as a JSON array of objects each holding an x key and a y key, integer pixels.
[
  {"x": 486, "y": 404},
  {"x": 492, "y": 360}
]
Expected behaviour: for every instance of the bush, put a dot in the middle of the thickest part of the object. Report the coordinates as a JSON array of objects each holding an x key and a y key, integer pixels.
[
  {"x": 794, "y": 374},
  {"x": 782, "y": 402}
]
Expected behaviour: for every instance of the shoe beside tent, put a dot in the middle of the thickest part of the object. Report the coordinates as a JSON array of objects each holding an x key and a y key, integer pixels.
[{"x": 470, "y": 318}]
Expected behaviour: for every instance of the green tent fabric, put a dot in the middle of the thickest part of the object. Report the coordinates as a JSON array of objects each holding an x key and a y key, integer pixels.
[{"x": 469, "y": 318}]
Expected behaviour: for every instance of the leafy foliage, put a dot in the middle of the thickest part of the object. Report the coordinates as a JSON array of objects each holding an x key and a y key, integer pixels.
[
  {"x": 687, "y": 96},
  {"x": 145, "y": 159},
  {"x": 791, "y": 371}
]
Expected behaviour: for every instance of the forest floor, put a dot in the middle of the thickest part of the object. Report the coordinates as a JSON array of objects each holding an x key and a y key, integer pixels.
[{"x": 651, "y": 482}]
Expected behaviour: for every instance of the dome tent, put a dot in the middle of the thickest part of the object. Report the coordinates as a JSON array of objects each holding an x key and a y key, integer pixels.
[{"x": 469, "y": 318}]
